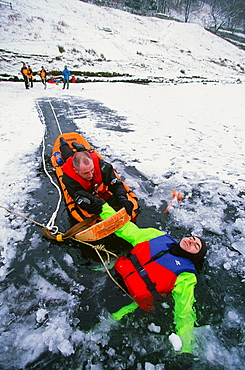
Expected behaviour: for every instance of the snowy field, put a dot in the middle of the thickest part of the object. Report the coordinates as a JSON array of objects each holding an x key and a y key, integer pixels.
[{"x": 185, "y": 137}]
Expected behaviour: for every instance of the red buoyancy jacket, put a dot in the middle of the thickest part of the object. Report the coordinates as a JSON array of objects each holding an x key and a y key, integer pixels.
[
  {"x": 96, "y": 184},
  {"x": 149, "y": 271}
]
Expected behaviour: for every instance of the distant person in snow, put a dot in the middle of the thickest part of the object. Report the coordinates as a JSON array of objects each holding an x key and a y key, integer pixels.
[
  {"x": 30, "y": 76},
  {"x": 88, "y": 178},
  {"x": 24, "y": 71},
  {"x": 43, "y": 75},
  {"x": 66, "y": 73}
]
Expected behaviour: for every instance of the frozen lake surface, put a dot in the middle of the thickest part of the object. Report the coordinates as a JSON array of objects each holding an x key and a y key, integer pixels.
[{"x": 189, "y": 137}]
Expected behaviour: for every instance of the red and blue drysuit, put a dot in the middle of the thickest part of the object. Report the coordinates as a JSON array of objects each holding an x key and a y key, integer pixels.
[{"x": 146, "y": 277}]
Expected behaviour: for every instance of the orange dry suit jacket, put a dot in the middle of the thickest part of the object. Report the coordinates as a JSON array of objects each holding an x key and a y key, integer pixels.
[
  {"x": 29, "y": 72},
  {"x": 43, "y": 74},
  {"x": 24, "y": 71}
]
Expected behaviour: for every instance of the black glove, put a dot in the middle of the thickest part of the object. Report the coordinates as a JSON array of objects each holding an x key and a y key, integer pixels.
[
  {"x": 95, "y": 207},
  {"x": 90, "y": 204},
  {"x": 127, "y": 205}
]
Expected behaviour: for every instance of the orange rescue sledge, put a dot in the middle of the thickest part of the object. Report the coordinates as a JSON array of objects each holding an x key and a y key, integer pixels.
[{"x": 93, "y": 228}]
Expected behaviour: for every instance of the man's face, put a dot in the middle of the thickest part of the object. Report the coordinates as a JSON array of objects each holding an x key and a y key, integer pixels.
[
  {"x": 86, "y": 171},
  {"x": 191, "y": 244}
]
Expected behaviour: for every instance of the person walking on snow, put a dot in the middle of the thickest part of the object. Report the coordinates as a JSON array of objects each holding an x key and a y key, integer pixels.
[
  {"x": 43, "y": 75},
  {"x": 30, "y": 76},
  {"x": 66, "y": 73},
  {"x": 24, "y": 72}
]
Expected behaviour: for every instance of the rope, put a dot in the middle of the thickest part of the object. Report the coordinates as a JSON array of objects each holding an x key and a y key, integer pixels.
[
  {"x": 110, "y": 275},
  {"x": 102, "y": 247},
  {"x": 51, "y": 223},
  {"x": 56, "y": 119},
  {"x": 97, "y": 248},
  {"x": 18, "y": 214}
]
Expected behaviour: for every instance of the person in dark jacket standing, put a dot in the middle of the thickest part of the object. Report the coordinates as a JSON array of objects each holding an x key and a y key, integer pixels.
[
  {"x": 24, "y": 71},
  {"x": 30, "y": 76},
  {"x": 88, "y": 177},
  {"x": 66, "y": 73},
  {"x": 43, "y": 75}
]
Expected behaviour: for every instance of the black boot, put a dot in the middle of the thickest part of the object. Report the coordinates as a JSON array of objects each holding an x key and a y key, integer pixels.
[
  {"x": 78, "y": 147},
  {"x": 62, "y": 141},
  {"x": 66, "y": 151}
]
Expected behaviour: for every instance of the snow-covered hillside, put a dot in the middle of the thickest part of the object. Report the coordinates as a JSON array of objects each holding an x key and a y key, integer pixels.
[{"x": 91, "y": 38}]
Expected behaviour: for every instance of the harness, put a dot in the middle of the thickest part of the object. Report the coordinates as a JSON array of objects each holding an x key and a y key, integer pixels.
[
  {"x": 150, "y": 271},
  {"x": 151, "y": 286}
]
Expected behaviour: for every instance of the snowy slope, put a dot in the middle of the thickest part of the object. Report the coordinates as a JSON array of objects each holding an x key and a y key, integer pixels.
[{"x": 105, "y": 39}]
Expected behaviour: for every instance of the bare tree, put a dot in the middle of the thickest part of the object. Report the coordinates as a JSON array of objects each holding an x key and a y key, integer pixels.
[
  {"x": 163, "y": 6},
  {"x": 218, "y": 14},
  {"x": 187, "y": 7},
  {"x": 236, "y": 14},
  {"x": 227, "y": 13}
]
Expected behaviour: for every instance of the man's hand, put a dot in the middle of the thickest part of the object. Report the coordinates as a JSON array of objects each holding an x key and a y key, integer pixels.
[
  {"x": 95, "y": 207},
  {"x": 127, "y": 205},
  {"x": 90, "y": 203}
]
